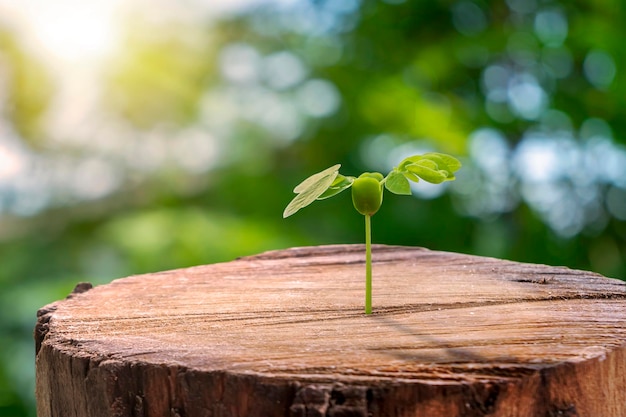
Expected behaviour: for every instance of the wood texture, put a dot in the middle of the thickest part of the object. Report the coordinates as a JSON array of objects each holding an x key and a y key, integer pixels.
[{"x": 284, "y": 334}]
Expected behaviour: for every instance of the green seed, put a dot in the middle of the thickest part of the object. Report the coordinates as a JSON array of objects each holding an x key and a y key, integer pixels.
[{"x": 367, "y": 193}]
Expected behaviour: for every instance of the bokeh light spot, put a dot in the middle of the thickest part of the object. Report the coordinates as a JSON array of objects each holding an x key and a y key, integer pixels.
[
  {"x": 239, "y": 63},
  {"x": 599, "y": 68},
  {"x": 526, "y": 97},
  {"x": 319, "y": 98},
  {"x": 283, "y": 70},
  {"x": 468, "y": 18},
  {"x": 551, "y": 27},
  {"x": 616, "y": 202}
]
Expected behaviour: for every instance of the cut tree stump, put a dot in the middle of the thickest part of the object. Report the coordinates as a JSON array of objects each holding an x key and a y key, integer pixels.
[{"x": 284, "y": 334}]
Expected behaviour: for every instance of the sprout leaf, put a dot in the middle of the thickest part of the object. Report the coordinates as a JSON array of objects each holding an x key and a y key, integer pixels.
[
  {"x": 432, "y": 167},
  {"x": 397, "y": 183},
  {"x": 311, "y": 188},
  {"x": 339, "y": 184},
  {"x": 427, "y": 173}
]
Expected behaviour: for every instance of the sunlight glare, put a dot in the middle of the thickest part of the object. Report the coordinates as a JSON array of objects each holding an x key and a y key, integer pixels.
[
  {"x": 70, "y": 31},
  {"x": 10, "y": 163}
]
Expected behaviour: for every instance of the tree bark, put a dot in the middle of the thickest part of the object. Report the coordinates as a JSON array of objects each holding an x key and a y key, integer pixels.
[{"x": 284, "y": 334}]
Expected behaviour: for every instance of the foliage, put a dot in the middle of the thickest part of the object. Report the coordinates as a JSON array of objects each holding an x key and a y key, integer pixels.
[
  {"x": 431, "y": 167},
  {"x": 367, "y": 192}
]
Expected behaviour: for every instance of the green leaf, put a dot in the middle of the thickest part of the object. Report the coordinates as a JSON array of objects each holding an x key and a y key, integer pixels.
[
  {"x": 439, "y": 164},
  {"x": 311, "y": 188},
  {"x": 428, "y": 163},
  {"x": 397, "y": 183},
  {"x": 411, "y": 176},
  {"x": 424, "y": 171},
  {"x": 451, "y": 162},
  {"x": 434, "y": 161},
  {"x": 341, "y": 183}
]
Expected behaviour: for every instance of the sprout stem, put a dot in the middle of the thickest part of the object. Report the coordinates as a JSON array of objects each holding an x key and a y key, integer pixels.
[{"x": 368, "y": 264}]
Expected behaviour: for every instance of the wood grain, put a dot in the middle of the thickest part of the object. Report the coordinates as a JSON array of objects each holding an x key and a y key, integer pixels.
[{"x": 284, "y": 334}]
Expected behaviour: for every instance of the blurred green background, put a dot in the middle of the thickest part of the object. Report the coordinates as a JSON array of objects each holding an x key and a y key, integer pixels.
[{"x": 140, "y": 136}]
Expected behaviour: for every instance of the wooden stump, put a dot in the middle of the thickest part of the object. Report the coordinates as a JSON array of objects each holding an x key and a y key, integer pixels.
[{"x": 284, "y": 334}]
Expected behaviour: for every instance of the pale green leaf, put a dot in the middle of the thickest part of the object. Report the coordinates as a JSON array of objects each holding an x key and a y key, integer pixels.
[
  {"x": 316, "y": 177},
  {"x": 397, "y": 183},
  {"x": 311, "y": 188},
  {"x": 341, "y": 183}
]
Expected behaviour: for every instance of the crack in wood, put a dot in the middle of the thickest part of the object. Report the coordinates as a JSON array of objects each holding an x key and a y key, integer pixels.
[{"x": 337, "y": 400}]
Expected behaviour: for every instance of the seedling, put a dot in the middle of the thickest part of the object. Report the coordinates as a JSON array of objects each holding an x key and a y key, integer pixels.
[{"x": 367, "y": 193}]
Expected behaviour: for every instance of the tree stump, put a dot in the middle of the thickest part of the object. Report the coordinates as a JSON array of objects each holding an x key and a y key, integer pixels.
[{"x": 284, "y": 334}]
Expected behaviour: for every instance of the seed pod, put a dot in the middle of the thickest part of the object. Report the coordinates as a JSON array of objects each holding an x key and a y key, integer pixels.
[{"x": 367, "y": 193}]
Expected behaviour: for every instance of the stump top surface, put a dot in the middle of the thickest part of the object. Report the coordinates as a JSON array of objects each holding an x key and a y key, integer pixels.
[{"x": 298, "y": 313}]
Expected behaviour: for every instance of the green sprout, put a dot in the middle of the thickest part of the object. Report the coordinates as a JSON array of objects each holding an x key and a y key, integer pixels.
[{"x": 367, "y": 193}]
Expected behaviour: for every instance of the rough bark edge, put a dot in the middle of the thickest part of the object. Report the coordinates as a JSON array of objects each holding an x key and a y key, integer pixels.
[
  {"x": 45, "y": 313},
  {"x": 110, "y": 387}
]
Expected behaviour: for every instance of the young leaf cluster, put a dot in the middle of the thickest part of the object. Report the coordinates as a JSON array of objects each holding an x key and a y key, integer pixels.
[{"x": 367, "y": 189}]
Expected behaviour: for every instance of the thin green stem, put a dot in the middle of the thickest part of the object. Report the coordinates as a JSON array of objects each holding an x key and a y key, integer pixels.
[{"x": 368, "y": 264}]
